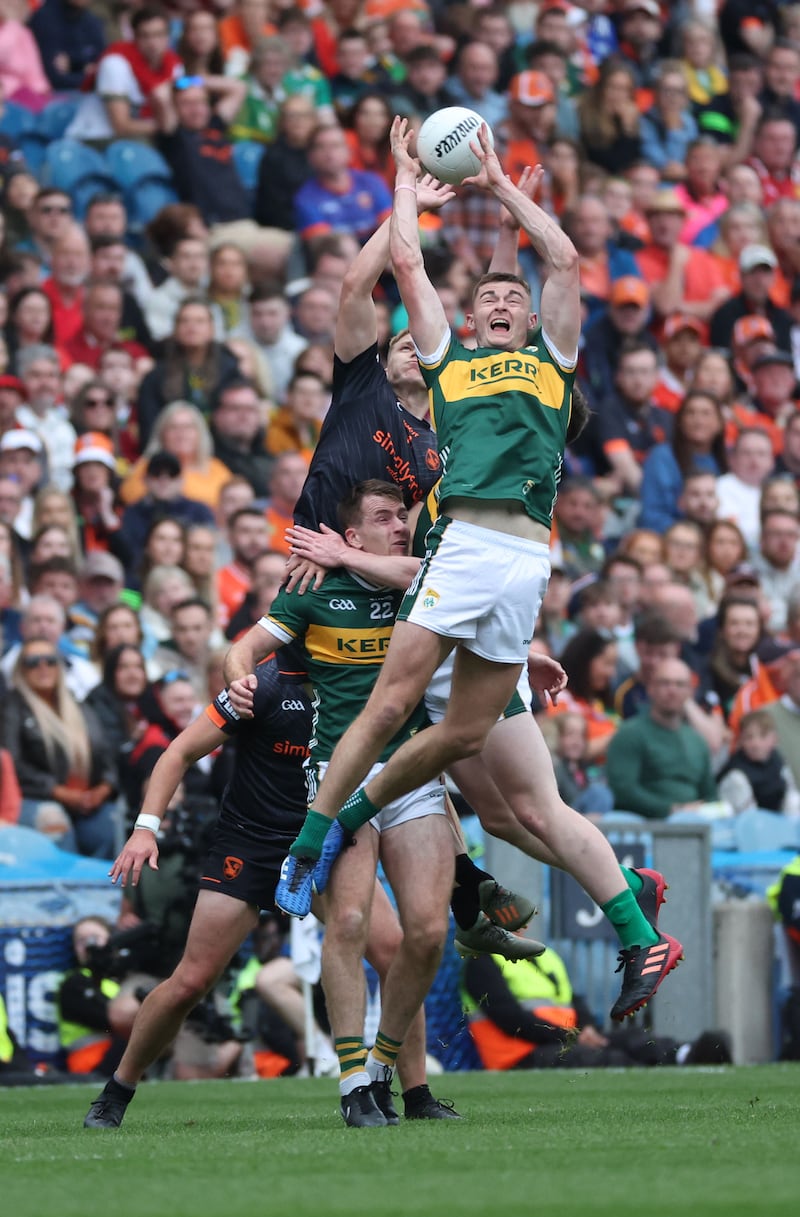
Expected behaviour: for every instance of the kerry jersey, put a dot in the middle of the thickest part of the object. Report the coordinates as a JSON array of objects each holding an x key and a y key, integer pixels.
[
  {"x": 267, "y": 789},
  {"x": 501, "y": 423},
  {"x": 366, "y": 434},
  {"x": 345, "y": 627}
]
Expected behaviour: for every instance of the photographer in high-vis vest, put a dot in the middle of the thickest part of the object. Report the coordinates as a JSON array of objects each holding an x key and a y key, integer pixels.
[
  {"x": 94, "y": 1016},
  {"x": 525, "y": 1016}
]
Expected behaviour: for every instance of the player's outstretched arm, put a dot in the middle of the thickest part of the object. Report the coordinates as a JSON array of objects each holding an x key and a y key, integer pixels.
[
  {"x": 199, "y": 738},
  {"x": 356, "y": 323},
  {"x": 506, "y": 250},
  {"x": 561, "y": 300},
  {"x": 240, "y": 664},
  {"x": 426, "y": 317}
]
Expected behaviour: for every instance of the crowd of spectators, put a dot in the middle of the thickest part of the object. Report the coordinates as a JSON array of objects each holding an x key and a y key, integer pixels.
[{"x": 183, "y": 190}]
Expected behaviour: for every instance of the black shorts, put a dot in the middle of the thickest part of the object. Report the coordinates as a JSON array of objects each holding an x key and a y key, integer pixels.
[{"x": 242, "y": 868}]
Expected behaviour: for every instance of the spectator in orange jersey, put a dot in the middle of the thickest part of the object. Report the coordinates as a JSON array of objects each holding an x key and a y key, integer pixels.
[
  {"x": 240, "y": 31},
  {"x": 248, "y": 536},
  {"x": 682, "y": 342},
  {"x": 531, "y": 122},
  {"x": 285, "y": 483},
  {"x": 680, "y": 277}
]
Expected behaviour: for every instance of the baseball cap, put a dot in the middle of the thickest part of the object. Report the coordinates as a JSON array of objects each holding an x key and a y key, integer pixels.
[
  {"x": 13, "y": 382},
  {"x": 666, "y": 201},
  {"x": 531, "y": 89},
  {"x": 99, "y": 565},
  {"x": 94, "y": 446},
  {"x": 677, "y": 322},
  {"x": 13, "y": 441},
  {"x": 629, "y": 290},
  {"x": 751, "y": 328},
  {"x": 651, "y": 7},
  {"x": 756, "y": 255},
  {"x": 773, "y": 359},
  {"x": 771, "y": 651},
  {"x": 163, "y": 464},
  {"x": 744, "y": 572}
]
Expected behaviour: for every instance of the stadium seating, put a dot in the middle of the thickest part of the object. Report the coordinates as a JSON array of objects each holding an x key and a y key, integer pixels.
[
  {"x": 16, "y": 121},
  {"x": 247, "y": 158},
  {"x": 47, "y": 126},
  {"x": 78, "y": 170},
  {"x": 150, "y": 196},
  {"x": 130, "y": 163}
]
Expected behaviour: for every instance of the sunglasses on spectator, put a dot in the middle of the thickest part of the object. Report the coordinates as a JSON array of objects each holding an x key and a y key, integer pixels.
[
  {"x": 98, "y": 401},
  {"x": 189, "y": 82},
  {"x": 39, "y": 661},
  {"x": 171, "y": 677}
]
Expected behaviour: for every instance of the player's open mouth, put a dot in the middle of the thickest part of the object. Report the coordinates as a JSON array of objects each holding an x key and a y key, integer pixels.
[{"x": 500, "y": 324}]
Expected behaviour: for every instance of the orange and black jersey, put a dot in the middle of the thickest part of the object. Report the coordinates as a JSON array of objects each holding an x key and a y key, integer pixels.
[
  {"x": 366, "y": 434},
  {"x": 267, "y": 789}
]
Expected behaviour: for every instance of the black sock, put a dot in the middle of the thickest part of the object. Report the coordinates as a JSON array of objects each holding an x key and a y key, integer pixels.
[
  {"x": 465, "y": 900},
  {"x": 121, "y": 1092},
  {"x": 416, "y": 1095},
  {"x": 468, "y": 874}
]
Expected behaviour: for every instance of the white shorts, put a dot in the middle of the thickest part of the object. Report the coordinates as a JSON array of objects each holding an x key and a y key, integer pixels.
[
  {"x": 428, "y": 800},
  {"x": 481, "y": 587},
  {"x": 437, "y": 693}
]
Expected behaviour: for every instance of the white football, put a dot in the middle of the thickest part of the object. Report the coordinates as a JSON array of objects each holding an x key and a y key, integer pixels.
[{"x": 443, "y": 144}]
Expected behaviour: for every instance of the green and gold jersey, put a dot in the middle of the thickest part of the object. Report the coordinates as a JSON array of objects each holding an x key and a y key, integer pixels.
[
  {"x": 344, "y": 628},
  {"x": 501, "y": 423}
]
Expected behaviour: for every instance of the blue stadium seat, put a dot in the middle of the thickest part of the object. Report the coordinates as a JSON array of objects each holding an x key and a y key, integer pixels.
[
  {"x": 53, "y": 120},
  {"x": 247, "y": 158},
  {"x": 130, "y": 163},
  {"x": 148, "y": 199},
  {"x": 68, "y": 164},
  {"x": 16, "y": 121}
]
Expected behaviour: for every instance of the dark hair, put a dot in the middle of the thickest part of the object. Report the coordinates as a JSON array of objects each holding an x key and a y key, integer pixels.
[
  {"x": 192, "y": 602},
  {"x": 349, "y": 509},
  {"x": 16, "y": 300},
  {"x": 242, "y": 512},
  {"x": 680, "y": 447},
  {"x": 191, "y": 63},
  {"x": 105, "y": 240},
  {"x": 539, "y": 49},
  {"x": 150, "y": 12},
  {"x": 577, "y": 657},
  {"x": 113, "y": 657},
  {"x": 98, "y": 651},
  {"x": 618, "y": 559},
  {"x": 499, "y": 276},
  {"x": 654, "y": 630},
  {"x": 579, "y": 414},
  {"x": 50, "y": 566},
  {"x": 424, "y": 53}
]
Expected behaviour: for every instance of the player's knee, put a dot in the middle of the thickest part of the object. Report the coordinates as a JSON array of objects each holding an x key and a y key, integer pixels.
[
  {"x": 348, "y": 928},
  {"x": 189, "y": 983},
  {"x": 382, "y": 948},
  {"x": 425, "y": 940}
]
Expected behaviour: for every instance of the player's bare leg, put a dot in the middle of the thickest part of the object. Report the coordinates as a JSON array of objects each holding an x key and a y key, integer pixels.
[
  {"x": 219, "y": 926},
  {"x": 413, "y": 656}
]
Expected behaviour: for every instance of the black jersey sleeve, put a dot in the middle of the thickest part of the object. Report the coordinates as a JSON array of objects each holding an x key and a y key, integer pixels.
[
  {"x": 266, "y": 697},
  {"x": 357, "y": 376}
]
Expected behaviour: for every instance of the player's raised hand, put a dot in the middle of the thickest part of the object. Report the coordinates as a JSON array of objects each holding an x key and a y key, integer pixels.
[
  {"x": 400, "y": 137},
  {"x": 529, "y": 183},
  {"x": 140, "y": 847},
  {"x": 433, "y": 194},
  {"x": 491, "y": 171},
  {"x": 241, "y": 694}
]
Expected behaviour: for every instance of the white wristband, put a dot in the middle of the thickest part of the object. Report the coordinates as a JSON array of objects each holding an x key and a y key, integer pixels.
[{"x": 153, "y": 823}]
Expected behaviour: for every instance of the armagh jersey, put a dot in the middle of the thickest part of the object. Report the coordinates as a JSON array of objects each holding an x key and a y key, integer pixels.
[
  {"x": 366, "y": 430},
  {"x": 345, "y": 628},
  {"x": 267, "y": 789},
  {"x": 501, "y": 422}
]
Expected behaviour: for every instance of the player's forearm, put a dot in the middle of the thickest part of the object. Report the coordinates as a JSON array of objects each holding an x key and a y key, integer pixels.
[
  {"x": 369, "y": 264},
  {"x": 504, "y": 258},
  {"x": 378, "y": 568},
  {"x": 404, "y": 244},
  {"x": 169, "y": 771},
  {"x": 551, "y": 244},
  {"x": 245, "y": 654}
]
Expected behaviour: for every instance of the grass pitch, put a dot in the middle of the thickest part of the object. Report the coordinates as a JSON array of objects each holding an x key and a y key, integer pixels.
[{"x": 651, "y": 1142}]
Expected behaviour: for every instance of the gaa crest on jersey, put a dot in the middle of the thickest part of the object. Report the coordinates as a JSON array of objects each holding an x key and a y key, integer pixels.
[{"x": 430, "y": 598}]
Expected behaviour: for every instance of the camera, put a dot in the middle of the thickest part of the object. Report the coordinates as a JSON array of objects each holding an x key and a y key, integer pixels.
[{"x": 134, "y": 950}]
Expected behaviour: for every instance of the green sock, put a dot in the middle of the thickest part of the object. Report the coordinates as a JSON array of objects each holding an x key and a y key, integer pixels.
[
  {"x": 356, "y": 811},
  {"x": 629, "y": 921},
  {"x": 635, "y": 882},
  {"x": 312, "y": 835}
]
